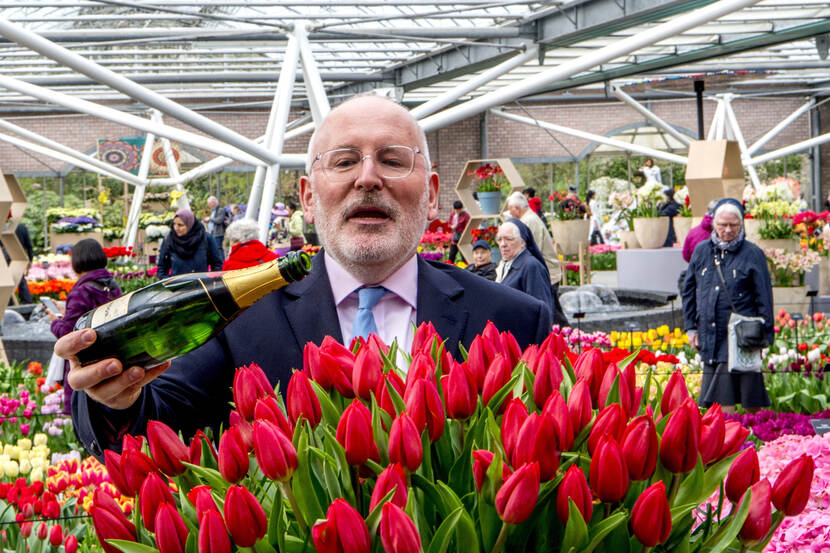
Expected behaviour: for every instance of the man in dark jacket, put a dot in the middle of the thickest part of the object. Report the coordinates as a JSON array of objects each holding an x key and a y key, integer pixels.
[
  {"x": 370, "y": 218},
  {"x": 482, "y": 264},
  {"x": 216, "y": 223},
  {"x": 669, "y": 208}
]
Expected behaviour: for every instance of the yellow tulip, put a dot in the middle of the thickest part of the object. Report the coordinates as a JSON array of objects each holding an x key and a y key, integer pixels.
[
  {"x": 11, "y": 469},
  {"x": 15, "y": 452},
  {"x": 638, "y": 341},
  {"x": 24, "y": 444},
  {"x": 25, "y": 466}
]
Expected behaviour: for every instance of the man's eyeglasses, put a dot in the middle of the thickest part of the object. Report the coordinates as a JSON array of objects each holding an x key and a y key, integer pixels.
[{"x": 344, "y": 164}]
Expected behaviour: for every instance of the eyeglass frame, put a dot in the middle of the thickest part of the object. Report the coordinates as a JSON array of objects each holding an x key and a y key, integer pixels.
[{"x": 415, "y": 150}]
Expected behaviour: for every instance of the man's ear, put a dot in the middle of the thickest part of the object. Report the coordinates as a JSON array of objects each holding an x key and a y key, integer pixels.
[
  {"x": 433, "y": 186},
  {"x": 307, "y": 199}
]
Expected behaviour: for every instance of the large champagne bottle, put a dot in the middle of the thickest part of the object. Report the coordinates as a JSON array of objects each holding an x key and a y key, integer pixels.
[{"x": 176, "y": 315}]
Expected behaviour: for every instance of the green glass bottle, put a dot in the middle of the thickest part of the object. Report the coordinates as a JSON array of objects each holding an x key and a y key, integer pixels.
[{"x": 174, "y": 316}]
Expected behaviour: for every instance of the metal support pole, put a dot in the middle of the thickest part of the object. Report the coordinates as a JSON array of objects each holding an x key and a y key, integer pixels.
[
  {"x": 60, "y": 190},
  {"x": 274, "y": 143},
  {"x": 107, "y": 77},
  {"x": 317, "y": 99},
  {"x": 773, "y": 132},
  {"x": 45, "y": 219},
  {"x": 736, "y": 130},
  {"x": 815, "y": 163},
  {"x": 699, "y": 85},
  {"x": 627, "y": 146},
  {"x": 131, "y": 228},
  {"x": 791, "y": 149},
  {"x": 530, "y": 85},
  {"x": 717, "y": 119},
  {"x": 651, "y": 116}
]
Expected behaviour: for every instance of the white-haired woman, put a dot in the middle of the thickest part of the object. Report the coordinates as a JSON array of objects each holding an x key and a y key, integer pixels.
[
  {"x": 246, "y": 249},
  {"x": 707, "y": 306}
]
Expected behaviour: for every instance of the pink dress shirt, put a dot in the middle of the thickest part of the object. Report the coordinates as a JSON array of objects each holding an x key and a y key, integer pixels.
[{"x": 394, "y": 313}]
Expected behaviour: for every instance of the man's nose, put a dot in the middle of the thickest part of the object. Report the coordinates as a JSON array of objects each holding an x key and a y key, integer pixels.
[{"x": 368, "y": 176}]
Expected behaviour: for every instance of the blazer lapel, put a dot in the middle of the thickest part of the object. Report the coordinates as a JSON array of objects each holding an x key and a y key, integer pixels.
[
  {"x": 437, "y": 293},
  {"x": 312, "y": 313}
]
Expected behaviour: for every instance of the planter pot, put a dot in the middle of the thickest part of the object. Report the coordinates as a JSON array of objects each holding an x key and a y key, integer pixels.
[
  {"x": 682, "y": 226},
  {"x": 792, "y": 299},
  {"x": 628, "y": 240},
  {"x": 651, "y": 231},
  {"x": 752, "y": 229},
  {"x": 786, "y": 244},
  {"x": 490, "y": 202},
  {"x": 569, "y": 234}
]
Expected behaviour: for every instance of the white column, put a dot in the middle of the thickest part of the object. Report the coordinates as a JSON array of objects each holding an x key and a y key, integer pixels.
[
  {"x": 131, "y": 228},
  {"x": 317, "y": 98},
  {"x": 739, "y": 136}
]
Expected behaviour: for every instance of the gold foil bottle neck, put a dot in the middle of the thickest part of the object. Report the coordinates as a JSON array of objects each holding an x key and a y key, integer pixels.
[{"x": 248, "y": 285}]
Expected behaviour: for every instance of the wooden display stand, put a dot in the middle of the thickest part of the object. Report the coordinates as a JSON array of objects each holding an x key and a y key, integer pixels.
[
  {"x": 714, "y": 171},
  {"x": 60, "y": 239},
  {"x": 583, "y": 260},
  {"x": 12, "y": 201},
  {"x": 464, "y": 189}
]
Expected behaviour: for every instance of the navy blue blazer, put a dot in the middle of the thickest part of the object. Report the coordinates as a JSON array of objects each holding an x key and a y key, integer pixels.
[
  {"x": 196, "y": 390},
  {"x": 528, "y": 275}
]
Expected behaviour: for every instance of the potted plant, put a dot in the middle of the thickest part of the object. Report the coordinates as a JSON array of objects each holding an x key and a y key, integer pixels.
[
  {"x": 569, "y": 226},
  {"x": 683, "y": 222},
  {"x": 787, "y": 270},
  {"x": 489, "y": 178},
  {"x": 621, "y": 219},
  {"x": 651, "y": 229}
]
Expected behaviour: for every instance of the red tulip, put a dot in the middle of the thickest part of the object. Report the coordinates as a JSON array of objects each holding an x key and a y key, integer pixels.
[
  {"x": 477, "y": 362},
  {"x": 213, "y": 537},
  {"x": 195, "y": 450},
  {"x": 311, "y": 364},
  {"x": 268, "y": 409},
  {"x": 492, "y": 342},
  {"x": 548, "y": 377},
  {"x": 639, "y": 447},
  {"x": 629, "y": 377},
  {"x": 110, "y": 523},
  {"x": 517, "y": 497},
  {"x": 167, "y": 449},
  {"x": 301, "y": 401},
  {"x": 734, "y": 436},
  {"x": 425, "y": 336},
  {"x": 246, "y": 431},
  {"x": 171, "y": 531},
  {"x": 392, "y": 477},
  {"x": 56, "y": 535},
  {"x": 42, "y": 531},
  {"x": 26, "y": 530},
  {"x": 354, "y": 432},
  {"x": 608, "y": 474},
  {"x": 515, "y": 414},
  {"x": 558, "y": 410},
  {"x": 743, "y": 473},
  {"x": 135, "y": 467},
  {"x": 612, "y": 374},
  {"x": 112, "y": 460},
  {"x": 70, "y": 544},
  {"x": 397, "y": 531},
  {"x": 249, "y": 385},
  {"x": 460, "y": 392},
  {"x": 679, "y": 447},
  {"x": 556, "y": 343},
  {"x": 368, "y": 368},
  {"x": 425, "y": 407},
  {"x": 482, "y": 459},
  {"x": 675, "y": 393},
  {"x": 498, "y": 375},
  {"x": 233, "y": 455},
  {"x": 382, "y": 395},
  {"x": 274, "y": 452},
  {"x": 538, "y": 442},
  {"x": 651, "y": 516},
  {"x": 590, "y": 368},
  {"x": 511, "y": 348},
  {"x": 611, "y": 421},
  {"x": 711, "y": 434},
  {"x": 579, "y": 406},
  {"x": 792, "y": 487},
  {"x": 574, "y": 486},
  {"x": 131, "y": 443},
  {"x": 202, "y": 500},
  {"x": 530, "y": 356},
  {"x": 405, "y": 443},
  {"x": 244, "y": 516},
  {"x": 153, "y": 493},
  {"x": 343, "y": 531},
  {"x": 421, "y": 367},
  {"x": 759, "y": 518},
  {"x": 337, "y": 364}
]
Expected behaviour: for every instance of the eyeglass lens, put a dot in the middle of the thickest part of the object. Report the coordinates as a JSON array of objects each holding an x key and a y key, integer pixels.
[{"x": 393, "y": 162}]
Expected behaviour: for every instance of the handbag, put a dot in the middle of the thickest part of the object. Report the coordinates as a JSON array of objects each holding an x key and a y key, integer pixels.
[{"x": 746, "y": 336}]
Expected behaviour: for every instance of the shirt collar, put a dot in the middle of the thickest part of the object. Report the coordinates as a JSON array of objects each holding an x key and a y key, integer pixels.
[{"x": 403, "y": 282}]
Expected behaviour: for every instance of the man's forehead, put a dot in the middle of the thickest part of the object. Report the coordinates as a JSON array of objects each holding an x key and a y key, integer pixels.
[{"x": 359, "y": 122}]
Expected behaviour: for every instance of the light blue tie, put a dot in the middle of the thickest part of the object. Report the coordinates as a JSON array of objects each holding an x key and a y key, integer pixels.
[{"x": 364, "y": 322}]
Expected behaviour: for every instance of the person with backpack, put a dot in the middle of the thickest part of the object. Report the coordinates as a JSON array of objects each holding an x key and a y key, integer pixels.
[{"x": 246, "y": 249}]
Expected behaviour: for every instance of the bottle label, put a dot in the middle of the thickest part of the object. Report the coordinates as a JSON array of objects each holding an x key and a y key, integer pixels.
[{"x": 111, "y": 310}]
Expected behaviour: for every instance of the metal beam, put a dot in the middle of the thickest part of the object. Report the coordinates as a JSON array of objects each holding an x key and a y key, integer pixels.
[
  {"x": 217, "y": 76},
  {"x": 791, "y": 149},
  {"x": 648, "y": 114},
  {"x": 773, "y": 132}
]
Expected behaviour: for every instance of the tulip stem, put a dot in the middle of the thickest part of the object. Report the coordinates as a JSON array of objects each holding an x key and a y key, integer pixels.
[
  {"x": 460, "y": 436},
  {"x": 358, "y": 493},
  {"x": 675, "y": 485},
  {"x": 499, "y": 545},
  {"x": 286, "y": 489}
]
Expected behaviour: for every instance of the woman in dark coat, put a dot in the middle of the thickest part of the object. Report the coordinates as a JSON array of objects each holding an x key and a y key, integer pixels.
[
  {"x": 95, "y": 286},
  {"x": 669, "y": 208},
  {"x": 706, "y": 307},
  {"x": 187, "y": 248},
  {"x": 522, "y": 266}
]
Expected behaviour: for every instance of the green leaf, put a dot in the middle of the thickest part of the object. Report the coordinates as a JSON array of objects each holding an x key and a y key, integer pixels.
[
  {"x": 396, "y": 398},
  {"x": 333, "y": 448},
  {"x": 528, "y": 377},
  {"x": 569, "y": 370},
  {"x": 692, "y": 485},
  {"x": 497, "y": 399},
  {"x": 302, "y": 484},
  {"x": 274, "y": 520},
  {"x": 431, "y": 493},
  {"x": 330, "y": 413},
  {"x": 489, "y": 524},
  {"x": 625, "y": 362},
  {"x": 128, "y": 546},
  {"x": 604, "y": 527},
  {"x": 576, "y": 531},
  {"x": 210, "y": 477},
  {"x": 381, "y": 439},
  {"x": 614, "y": 393},
  {"x": 373, "y": 520},
  {"x": 444, "y": 533},
  {"x": 724, "y": 537},
  {"x": 296, "y": 545}
]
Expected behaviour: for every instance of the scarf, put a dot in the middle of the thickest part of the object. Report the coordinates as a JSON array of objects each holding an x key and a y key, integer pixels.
[
  {"x": 185, "y": 246},
  {"x": 721, "y": 245}
]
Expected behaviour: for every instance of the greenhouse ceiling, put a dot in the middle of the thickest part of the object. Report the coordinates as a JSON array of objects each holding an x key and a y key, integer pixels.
[{"x": 222, "y": 54}]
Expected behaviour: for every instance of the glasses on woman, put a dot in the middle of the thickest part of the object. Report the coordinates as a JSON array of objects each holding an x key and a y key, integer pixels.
[{"x": 344, "y": 164}]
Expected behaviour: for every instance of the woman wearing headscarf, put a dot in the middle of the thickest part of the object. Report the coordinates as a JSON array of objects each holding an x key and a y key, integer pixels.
[
  {"x": 522, "y": 266},
  {"x": 187, "y": 248},
  {"x": 707, "y": 306}
]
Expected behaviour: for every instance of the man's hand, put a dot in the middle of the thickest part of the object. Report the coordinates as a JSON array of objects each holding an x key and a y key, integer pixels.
[
  {"x": 693, "y": 340},
  {"x": 105, "y": 381}
]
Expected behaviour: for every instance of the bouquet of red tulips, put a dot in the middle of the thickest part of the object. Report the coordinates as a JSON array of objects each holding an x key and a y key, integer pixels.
[{"x": 509, "y": 450}]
